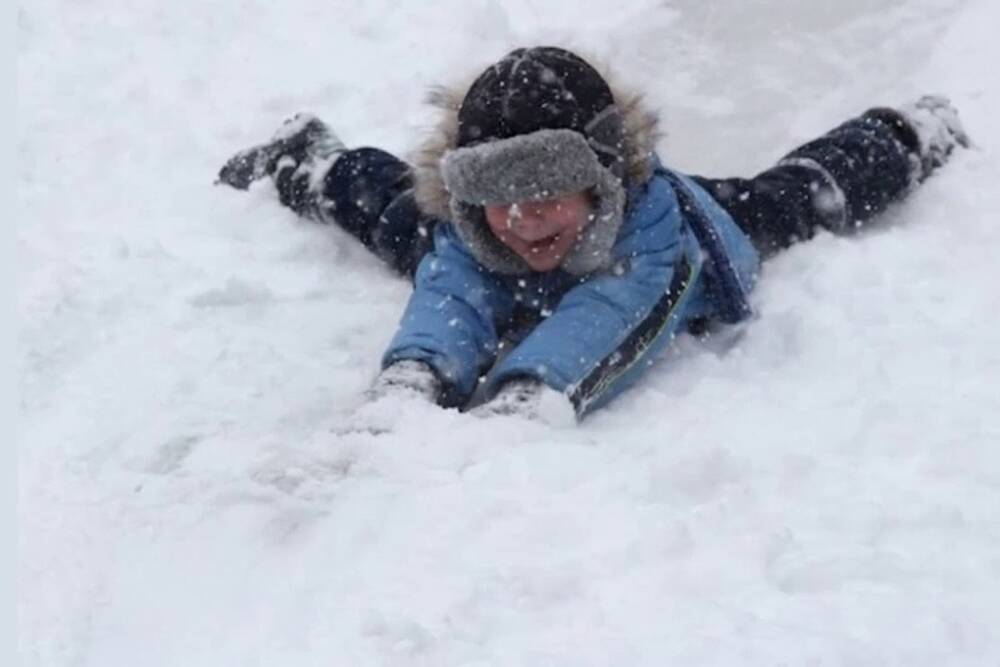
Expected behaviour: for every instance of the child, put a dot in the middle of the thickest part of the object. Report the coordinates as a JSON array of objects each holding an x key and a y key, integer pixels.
[{"x": 548, "y": 245}]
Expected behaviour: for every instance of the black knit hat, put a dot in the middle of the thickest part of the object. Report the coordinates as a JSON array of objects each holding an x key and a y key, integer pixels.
[{"x": 538, "y": 88}]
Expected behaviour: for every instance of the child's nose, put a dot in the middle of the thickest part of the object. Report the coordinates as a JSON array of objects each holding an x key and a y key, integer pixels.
[{"x": 529, "y": 224}]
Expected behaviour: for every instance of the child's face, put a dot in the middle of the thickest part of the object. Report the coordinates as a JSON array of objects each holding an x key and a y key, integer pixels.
[{"x": 541, "y": 232}]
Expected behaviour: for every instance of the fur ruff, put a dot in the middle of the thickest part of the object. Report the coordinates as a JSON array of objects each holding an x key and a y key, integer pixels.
[{"x": 641, "y": 130}]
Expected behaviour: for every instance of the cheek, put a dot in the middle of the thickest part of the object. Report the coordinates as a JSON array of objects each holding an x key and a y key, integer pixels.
[
  {"x": 575, "y": 218},
  {"x": 499, "y": 221}
]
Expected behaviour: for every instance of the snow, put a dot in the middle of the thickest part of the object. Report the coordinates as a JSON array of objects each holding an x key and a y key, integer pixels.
[{"x": 819, "y": 487}]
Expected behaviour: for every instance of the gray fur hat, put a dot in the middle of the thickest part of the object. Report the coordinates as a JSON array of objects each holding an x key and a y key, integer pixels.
[{"x": 537, "y": 124}]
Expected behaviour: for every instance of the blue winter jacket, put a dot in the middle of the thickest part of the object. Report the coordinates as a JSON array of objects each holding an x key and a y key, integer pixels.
[{"x": 678, "y": 257}]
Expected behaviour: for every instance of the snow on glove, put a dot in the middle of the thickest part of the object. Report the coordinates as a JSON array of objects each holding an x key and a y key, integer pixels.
[
  {"x": 530, "y": 399},
  {"x": 407, "y": 378}
]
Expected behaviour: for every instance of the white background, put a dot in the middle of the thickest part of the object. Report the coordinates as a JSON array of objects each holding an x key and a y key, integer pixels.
[{"x": 826, "y": 490}]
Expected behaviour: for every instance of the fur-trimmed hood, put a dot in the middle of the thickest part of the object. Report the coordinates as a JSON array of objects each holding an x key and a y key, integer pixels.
[{"x": 641, "y": 132}]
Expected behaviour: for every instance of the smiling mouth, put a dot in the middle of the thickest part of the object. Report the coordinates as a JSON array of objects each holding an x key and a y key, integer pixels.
[{"x": 543, "y": 244}]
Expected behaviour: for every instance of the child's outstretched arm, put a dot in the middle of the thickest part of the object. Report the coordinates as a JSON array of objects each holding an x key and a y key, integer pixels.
[{"x": 450, "y": 322}]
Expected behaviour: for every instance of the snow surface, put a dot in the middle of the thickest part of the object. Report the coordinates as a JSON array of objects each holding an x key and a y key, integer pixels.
[{"x": 822, "y": 487}]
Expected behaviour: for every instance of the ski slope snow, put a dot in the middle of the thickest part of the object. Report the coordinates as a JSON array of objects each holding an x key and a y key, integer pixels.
[{"x": 820, "y": 487}]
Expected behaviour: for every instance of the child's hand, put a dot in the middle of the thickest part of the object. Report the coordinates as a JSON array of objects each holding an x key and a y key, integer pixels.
[
  {"x": 400, "y": 383},
  {"x": 530, "y": 399},
  {"x": 407, "y": 378}
]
